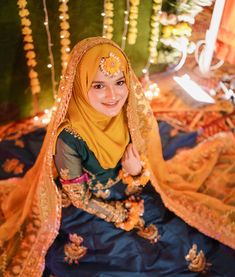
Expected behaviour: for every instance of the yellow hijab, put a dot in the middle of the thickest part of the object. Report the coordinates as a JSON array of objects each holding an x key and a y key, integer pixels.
[{"x": 107, "y": 137}]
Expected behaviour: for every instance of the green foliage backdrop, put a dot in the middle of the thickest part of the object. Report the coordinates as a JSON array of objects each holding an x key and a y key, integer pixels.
[{"x": 85, "y": 20}]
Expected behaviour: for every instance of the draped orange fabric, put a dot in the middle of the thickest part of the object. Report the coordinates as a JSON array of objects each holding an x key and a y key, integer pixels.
[
  {"x": 225, "y": 45},
  {"x": 198, "y": 185}
]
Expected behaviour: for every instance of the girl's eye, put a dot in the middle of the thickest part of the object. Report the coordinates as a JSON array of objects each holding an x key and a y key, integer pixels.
[
  {"x": 120, "y": 83},
  {"x": 98, "y": 86}
]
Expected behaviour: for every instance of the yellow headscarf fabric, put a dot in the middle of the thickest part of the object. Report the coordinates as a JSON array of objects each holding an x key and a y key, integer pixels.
[{"x": 107, "y": 137}]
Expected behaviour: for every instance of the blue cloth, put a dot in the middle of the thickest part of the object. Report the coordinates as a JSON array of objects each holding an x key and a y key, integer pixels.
[{"x": 115, "y": 252}]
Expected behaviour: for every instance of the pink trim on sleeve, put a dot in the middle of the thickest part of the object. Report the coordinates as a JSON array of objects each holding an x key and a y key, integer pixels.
[{"x": 81, "y": 179}]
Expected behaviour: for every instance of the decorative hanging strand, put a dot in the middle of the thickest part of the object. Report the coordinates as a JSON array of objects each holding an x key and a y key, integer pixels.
[
  {"x": 126, "y": 23},
  {"x": 133, "y": 17},
  {"x": 51, "y": 65},
  {"x": 29, "y": 51},
  {"x": 154, "y": 35},
  {"x": 108, "y": 19},
  {"x": 64, "y": 34}
]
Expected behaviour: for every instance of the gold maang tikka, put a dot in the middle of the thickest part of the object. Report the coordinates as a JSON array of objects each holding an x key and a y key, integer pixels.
[{"x": 110, "y": 66}]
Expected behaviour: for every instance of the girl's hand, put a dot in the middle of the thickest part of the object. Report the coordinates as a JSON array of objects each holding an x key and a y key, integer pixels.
[{"x": 131, "y": 162}]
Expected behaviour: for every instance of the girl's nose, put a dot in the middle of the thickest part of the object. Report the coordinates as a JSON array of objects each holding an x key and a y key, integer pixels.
[{"x": 110, "y": 92}]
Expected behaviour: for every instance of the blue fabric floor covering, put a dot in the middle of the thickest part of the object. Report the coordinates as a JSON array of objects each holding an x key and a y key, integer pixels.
[{"x": 17, "y": 156}]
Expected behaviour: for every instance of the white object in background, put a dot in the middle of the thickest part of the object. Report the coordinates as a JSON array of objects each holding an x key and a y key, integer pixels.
[
  {"x": 205, "y": 58},
  {"x": 193, "y": 89}
]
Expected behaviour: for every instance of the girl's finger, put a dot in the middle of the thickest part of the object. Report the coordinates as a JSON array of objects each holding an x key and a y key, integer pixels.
[{"x": 135, "y": 152}]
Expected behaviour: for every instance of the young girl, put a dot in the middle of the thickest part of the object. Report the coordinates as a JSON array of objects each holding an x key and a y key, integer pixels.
[{"x": 105, "y": 214}]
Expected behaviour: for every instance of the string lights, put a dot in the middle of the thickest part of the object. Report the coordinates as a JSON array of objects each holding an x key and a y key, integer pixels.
[
  {"x": 126, "y": 23},
  {"x": 51, "y": 65},
  {"x": 133, "y": 17},
  {"x": 108, "y": 19},
  {"x": 64, "y": 34},
  {"x": 29, "y": 49}
]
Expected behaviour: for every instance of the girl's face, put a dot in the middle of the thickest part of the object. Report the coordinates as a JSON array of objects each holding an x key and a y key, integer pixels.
[{"x": 107, "y": 95}]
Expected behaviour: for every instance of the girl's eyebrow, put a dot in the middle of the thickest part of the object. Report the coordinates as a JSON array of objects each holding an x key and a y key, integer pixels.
[
  {"x": 102, "y": 82},
  {"x": 99, "y": 82}
]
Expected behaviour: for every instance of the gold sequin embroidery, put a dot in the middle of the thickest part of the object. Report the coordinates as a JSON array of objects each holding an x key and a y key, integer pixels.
[
  {"x": 73, "y": 250},
  {"x": 197, "y": 260}
]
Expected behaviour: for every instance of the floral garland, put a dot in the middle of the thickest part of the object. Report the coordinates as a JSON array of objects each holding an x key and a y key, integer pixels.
[
  {"x": 64, "y": 34},
  {"x": 108, "y": 19},
  {"x": 154, "y": 32},
  {"x": 133, "y": 17},
  {"x": 177, "y": 28},
  {"x": 135, "y": 183},
  {"x": 29, "y": 46},
  {"x": 126, "y": 23}
]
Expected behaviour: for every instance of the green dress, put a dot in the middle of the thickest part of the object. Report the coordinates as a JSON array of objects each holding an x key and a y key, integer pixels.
[{"x": 89, "y": 244}]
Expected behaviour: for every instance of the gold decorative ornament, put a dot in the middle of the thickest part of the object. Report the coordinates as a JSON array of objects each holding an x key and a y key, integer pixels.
[
  {"x": 111, "y": 65},
  {"x": 197, "y": 260},
  {"x": 73, "y": 250}
]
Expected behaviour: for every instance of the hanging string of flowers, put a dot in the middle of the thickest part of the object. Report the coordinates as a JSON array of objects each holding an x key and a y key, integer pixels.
[
  {"x": 29, "y": 46},
  {"x": 126, "y": 23},
  {"x": 108, "y": 19},
  {"x": 64, "y": 34},
  {"x": 133, "y": 17},
  {"x": 154, "y": 35},
  {"x": 154, "y": 31}
]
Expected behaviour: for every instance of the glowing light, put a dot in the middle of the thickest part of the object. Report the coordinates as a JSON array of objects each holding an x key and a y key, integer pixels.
[
  {"x": 49, "y": 65},
  {"x": 193, "y": 89},
  {"x": 144, "y": 70},
  {"x": 36, "y": 118}
]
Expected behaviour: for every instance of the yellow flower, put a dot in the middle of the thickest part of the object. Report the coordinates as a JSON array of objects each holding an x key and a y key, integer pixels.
[
  {"x": 28, "y": 38},
  {"x": 108, "y": 21},
  {"x": 34, "y": 82},
  {"x": 64, "y": 34},
  {"x": 111, "y": 65},
  {"x": 109, "y": 35},
  {"x": 135, "y": 2},
  {"x": 30, "y": 55},
  {"x": 26, "y": 31},
  {"x": 25, "y": 21},
  {"x": 33, "y": 74},
  {"x": 24, "y": 13},
  {"x": 31, "y": 63},
  {"x": 22, "y": 3},
  {"x": 65, "y": 57},
  {"x": 35, "y": 89},
  {"x": 63, "y": 7},
  {"x": 109, "y": 13},
  {"x": 108, "y": 6},
  {"x": 28, "y": 46},
  {"x": 64, "y": 25},
  {"x": 65, "y": 41}
]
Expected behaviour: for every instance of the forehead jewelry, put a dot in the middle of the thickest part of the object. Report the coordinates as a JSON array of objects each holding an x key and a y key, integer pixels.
[{"x": 111, "y": 65}]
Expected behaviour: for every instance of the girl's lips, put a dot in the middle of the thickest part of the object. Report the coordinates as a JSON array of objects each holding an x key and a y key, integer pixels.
[{"x": 111, "y": 104}]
